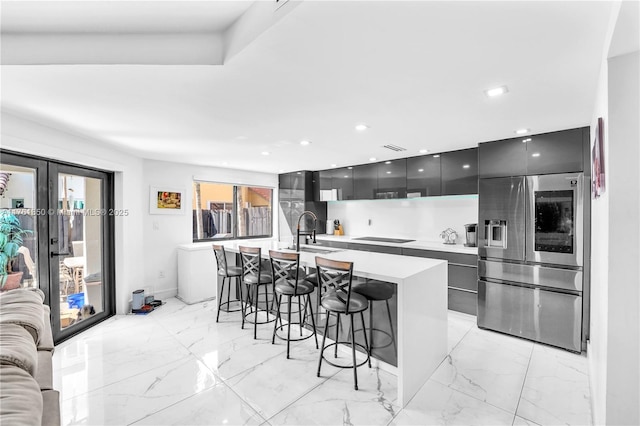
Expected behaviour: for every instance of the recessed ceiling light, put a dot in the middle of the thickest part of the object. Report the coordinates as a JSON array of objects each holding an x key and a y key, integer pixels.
[
  {"x": 496, "y": 91},
  {"x": 421, "y": 170},
  {"x": 334, "y": 165},
  {"x": 387, "y": 162},
  {"x": 372, "y": 159},
  {"x": 305, "y": 142},
  {"x": 346, "y": 176},
  {"x": 424, "y": 151},
  {"x": 349, "y": 167},
  {"x": 388, "y": 173},
  {"x": 535, "y": 154},
  {"x": 361, "y": 127},
  {"x": 466, "y": 166},
  {"x": 265, "y": 153},
  {"x": 299, "y": 173},
  {"x": 522, "y": 131},
  {"x": 436, "y": 156},
  {"x": 526, "y": 140}
]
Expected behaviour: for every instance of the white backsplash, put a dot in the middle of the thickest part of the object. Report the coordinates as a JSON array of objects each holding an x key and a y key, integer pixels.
[{"x": 419, "y": 218}]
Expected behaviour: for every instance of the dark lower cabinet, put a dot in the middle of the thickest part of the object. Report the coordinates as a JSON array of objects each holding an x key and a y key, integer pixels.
[
  {"x": 462, "y": 270},
  {"x": 462, "y": 278},
  {"x": 463, "y": 301}
]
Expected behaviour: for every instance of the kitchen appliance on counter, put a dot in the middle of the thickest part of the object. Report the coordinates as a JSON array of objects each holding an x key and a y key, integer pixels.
[
  {"x": 449, "y": 236},
  {"x": 530, "y": 277},
  {"x": 471, "y": 235}
]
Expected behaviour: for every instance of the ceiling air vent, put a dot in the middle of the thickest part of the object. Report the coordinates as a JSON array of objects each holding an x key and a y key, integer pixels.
[{"x": 394, "y": 147}]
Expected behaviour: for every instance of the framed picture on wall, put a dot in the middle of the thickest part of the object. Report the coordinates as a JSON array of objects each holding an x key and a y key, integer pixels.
[
  {"x": 166, "y": 200},
  {"x": 597, "y": 162}
]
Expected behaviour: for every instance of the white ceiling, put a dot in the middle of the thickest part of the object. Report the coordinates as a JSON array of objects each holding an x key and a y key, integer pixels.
[{"x": 414, "y": 71}]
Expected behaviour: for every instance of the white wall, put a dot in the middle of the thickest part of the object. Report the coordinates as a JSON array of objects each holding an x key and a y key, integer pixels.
[
  {"x": 596, "y": 349},
  {"x": 163, "y": 233},
  {"x": 623, "y": 347},
  {"x": 417, "y": 218},
  {"x": 21, "y": 135},
  {"x": 613, "y": 350}
]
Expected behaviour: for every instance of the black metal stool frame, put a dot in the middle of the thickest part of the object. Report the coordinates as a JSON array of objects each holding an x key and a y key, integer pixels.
[
  {"x": 285, "y": 269},
  {"x": 391, "y": 333},
  {"x": 251, "y": 260},
  {"x": 223, "y": 271},
  {"x": 335, "y": 278}
]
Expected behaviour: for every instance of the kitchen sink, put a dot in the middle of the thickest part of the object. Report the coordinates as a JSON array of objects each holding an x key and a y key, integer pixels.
[
  {"x": 317, "y": 250},
  {"x": 384, "y": 240}
]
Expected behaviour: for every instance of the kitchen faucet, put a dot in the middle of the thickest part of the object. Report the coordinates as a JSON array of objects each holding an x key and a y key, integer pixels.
[{"x": 306, "y": 233}]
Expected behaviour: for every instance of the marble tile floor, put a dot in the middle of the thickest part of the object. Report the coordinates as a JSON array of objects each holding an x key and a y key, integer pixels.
[{"x": 177, "y": 366}]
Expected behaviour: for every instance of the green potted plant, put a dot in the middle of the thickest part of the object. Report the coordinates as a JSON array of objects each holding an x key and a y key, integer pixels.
[{"x": 11, "y": 234}]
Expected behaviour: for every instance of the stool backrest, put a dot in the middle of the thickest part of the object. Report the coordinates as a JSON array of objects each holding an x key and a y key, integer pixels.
[
  {"x": 250, "y": 258},
  {"x": 284, "y": 267},
  {"x": 221, "y": 259},
  {"x": 335, "y": 275}
]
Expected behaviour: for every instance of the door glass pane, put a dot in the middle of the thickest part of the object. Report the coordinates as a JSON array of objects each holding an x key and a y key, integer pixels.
[
  {"x": 18, "y": 198},
  {"x": 80, "y": 222},
  {"x": 554, "y": 227}
]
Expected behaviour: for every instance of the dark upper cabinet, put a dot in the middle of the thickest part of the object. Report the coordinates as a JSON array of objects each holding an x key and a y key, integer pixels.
[
  {"x": 339, "y": 181},
  {"x": 325, "y": 179},
  {"x": 423, "y": 176},
  {"x": 296, "y": 194},
  {"x": 365, "y": 181},
  {"x": 459, "y": 172},
  {"x": 342, "y": 182},
  {"x": 556, "y": 152},
  {"x": 503, "y": 158},
  {"x": 392, "y": 179}
]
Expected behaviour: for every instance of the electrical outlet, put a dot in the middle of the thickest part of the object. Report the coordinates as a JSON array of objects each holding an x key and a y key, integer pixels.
[
  {"x": 156, "y": 226},
  {"x": 161, "y": 274}
]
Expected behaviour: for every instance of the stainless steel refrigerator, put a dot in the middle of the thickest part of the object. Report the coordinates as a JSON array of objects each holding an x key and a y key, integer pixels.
[{"x": 530, "y": 248}]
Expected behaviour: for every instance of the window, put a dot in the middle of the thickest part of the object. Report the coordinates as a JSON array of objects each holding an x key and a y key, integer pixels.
[{"x": 225, "y": 211}]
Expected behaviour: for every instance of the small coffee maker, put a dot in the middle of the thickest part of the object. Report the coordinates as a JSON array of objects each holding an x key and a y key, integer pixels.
[{"x": 472, "y": 235}]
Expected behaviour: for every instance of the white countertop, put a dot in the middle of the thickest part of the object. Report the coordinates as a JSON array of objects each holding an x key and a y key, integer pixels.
[
  {"x": 420, "y": 245},
  {"x": 380, "y": 266}
]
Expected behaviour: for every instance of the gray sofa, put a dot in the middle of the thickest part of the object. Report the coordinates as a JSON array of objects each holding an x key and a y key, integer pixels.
[{"x": 27, "y": 396}]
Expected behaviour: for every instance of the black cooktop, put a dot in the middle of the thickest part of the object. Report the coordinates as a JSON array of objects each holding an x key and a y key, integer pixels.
[{"x": 384, "y": 240}]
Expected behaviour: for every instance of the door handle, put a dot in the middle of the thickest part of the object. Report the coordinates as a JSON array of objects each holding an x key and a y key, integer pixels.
[{"x": 53, "y": 253}]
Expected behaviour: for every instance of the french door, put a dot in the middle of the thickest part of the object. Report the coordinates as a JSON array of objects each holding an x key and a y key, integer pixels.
[{"x": 69, "y": 252}]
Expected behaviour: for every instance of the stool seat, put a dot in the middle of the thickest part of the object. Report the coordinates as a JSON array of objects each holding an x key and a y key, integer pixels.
[
  {"x": 334, "y": 302},
  {"x": 289, "y": 290},
  {"x": 312, "y": 278},
  {"x": 374, "y": 290},
  {"x": 233, "y": 271},
  {"x": 265, "y": 278}
]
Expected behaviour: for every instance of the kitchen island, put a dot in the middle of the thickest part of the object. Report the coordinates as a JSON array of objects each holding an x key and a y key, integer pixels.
[{"x": 422, "y": 305}]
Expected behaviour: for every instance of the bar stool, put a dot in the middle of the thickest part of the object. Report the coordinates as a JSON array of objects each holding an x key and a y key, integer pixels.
[
  {"x": 286, "y": 274},
  {"x": 377, "y": 291},
  {"x": 226, "y": 271},
  {"x": 335, "y": 278},
  {"x": 255, "y": 274}
]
